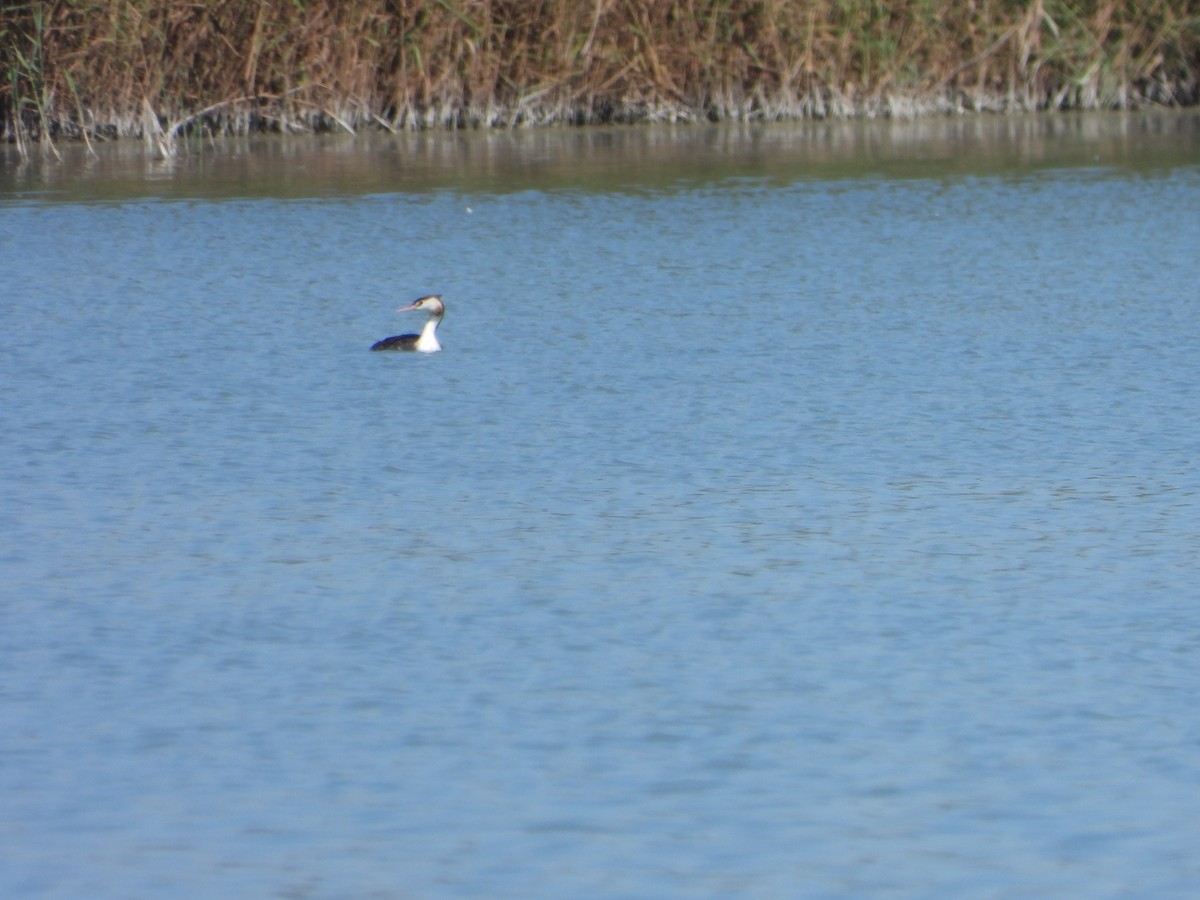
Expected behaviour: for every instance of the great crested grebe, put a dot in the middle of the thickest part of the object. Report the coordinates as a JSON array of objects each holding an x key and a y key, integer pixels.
[{"x": 426, "y": 341}]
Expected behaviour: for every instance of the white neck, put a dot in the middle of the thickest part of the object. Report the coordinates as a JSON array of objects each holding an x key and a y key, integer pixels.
[{"x": 428, "y": 342}]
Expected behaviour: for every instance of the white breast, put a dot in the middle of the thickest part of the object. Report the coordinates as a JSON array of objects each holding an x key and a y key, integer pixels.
[{"x": 428, "y": 342}]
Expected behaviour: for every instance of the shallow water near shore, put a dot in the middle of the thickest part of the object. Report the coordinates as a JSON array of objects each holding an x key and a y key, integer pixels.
[{"x": 793, "y": 512}]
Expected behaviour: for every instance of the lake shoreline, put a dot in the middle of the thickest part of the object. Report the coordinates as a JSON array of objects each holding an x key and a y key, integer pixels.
[{"x": 85, "y": 70}]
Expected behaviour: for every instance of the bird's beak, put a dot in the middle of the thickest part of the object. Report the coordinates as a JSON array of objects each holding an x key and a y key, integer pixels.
[{"x": 410, "y": 306}]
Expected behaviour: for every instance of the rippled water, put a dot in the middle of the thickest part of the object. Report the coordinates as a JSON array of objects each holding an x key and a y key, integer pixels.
[{"x": 789, "y": 528}]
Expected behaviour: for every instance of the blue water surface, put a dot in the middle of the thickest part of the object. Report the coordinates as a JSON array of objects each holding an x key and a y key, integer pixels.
[{"x": 760, "y": 537}]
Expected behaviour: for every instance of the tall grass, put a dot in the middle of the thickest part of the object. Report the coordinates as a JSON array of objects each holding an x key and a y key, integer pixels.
[{"x": 93, "y": 68}]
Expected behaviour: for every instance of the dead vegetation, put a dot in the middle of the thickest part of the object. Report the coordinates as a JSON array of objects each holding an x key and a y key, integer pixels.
[{"x": 162, "y": 69}]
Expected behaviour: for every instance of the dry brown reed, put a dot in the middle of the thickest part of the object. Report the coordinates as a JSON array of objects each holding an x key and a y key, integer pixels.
[{"x": 94, "y": 67}]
